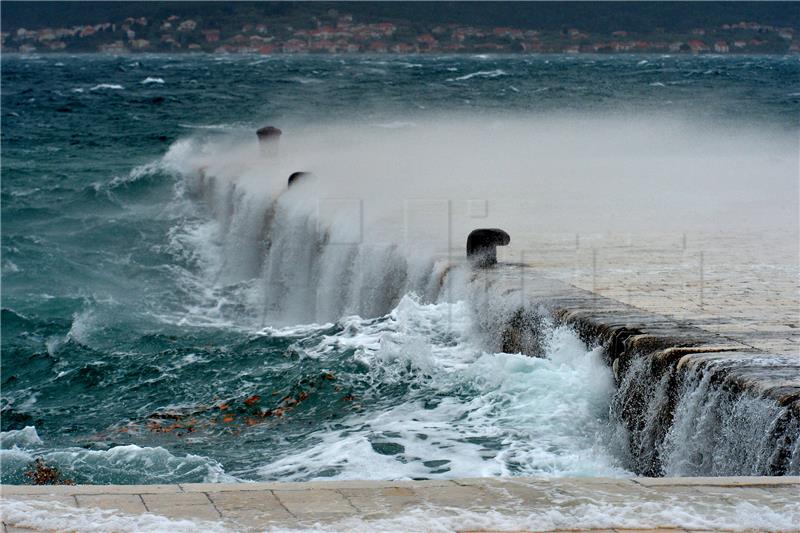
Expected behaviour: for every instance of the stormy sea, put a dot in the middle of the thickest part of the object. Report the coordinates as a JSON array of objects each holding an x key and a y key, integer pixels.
[{"x": 173, "y": 312}]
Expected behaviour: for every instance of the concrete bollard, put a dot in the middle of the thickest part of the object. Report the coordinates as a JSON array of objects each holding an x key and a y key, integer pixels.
[
  {"x": 268, "y": 139},
  {"x": 296, "y": 176},
  {"x": 482, "y": 246}
]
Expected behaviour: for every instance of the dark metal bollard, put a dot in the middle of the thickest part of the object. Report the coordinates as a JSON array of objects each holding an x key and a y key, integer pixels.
[
  {"x": 482, "y": 246},
  {"x": 268, "y": 138},
  {"x": 296, "y": 176}
]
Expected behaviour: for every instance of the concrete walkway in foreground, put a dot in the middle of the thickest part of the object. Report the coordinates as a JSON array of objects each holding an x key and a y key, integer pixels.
[{"x": 480, "y": 504}]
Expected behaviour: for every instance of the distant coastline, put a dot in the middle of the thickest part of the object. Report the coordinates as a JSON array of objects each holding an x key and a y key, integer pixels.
[{"x": 335, "y": 32}]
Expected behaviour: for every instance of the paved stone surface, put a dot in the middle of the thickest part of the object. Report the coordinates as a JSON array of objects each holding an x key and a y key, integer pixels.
[
  {"x": 742, "y": 286},
  {"x": 196, "y": 504},
  {"x": 382, "y": 502},
  {"x": 126, "y": 503},
  {"x": 523, "y": 502}
]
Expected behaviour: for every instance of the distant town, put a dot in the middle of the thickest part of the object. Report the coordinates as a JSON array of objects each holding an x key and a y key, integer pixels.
[{"x": 343, "y": 33}]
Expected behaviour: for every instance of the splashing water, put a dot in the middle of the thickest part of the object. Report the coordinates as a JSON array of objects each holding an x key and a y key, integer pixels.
[{"x": 163, "y": 290}]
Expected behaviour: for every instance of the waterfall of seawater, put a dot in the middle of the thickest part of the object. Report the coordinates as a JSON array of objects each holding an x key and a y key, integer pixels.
[{"x": 689, "y": 422}]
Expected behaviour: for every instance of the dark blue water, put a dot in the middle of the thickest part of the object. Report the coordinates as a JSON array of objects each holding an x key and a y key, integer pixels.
[{"x": 135, "y": 362}]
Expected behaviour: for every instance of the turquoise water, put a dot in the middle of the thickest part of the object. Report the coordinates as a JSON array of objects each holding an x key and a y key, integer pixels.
[{"x": 158, "y": 322}]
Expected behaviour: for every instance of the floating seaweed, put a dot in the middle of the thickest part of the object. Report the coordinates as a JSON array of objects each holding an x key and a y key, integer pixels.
[
  {"x": 228, "y": 413},
  {"x": 41, "y": 474}
]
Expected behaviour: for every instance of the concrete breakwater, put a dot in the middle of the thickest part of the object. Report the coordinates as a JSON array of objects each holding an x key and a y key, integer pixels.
[{"x": 688, "y": 402}]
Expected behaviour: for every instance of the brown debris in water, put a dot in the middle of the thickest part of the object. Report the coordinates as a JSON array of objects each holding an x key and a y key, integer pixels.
[
  {"x": 231, "y": 412},
  {"x": 41, "y": 474},
  {"x": 252, "y": 400}
]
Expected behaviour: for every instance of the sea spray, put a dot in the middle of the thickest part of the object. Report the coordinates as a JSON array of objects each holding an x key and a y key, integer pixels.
[{"x": 385, "y": 212}]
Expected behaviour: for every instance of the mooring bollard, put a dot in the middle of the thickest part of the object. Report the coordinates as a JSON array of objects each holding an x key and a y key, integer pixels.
[
  {"x": 268, "y": 138},
  {"x": 296, "y": 176},
  {"x": 482, "y": 246}
]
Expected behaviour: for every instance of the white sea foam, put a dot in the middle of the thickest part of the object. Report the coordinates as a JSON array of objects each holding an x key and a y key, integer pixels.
[
  {"x": 208, "y": 126},
  {"x": 481, "y": 74},
  {"x": 152, "y": 80},
  {"x": 305, "y": 80},
  {"x": 137, "y": 173},
  {"x": 9, "y": 267},
  {"x": 295, "y": 331},
  {"x": 109, "y": 86}
]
